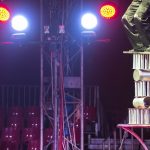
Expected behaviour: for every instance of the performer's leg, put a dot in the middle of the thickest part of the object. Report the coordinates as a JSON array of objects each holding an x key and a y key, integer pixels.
[
  {"x": 128, "y": 17},
  {"x": 141, "y": 21},
  {"x": 128, "y": 22}
]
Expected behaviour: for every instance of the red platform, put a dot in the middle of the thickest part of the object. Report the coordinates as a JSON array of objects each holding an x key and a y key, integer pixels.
[{"x": 128, "y": 128}]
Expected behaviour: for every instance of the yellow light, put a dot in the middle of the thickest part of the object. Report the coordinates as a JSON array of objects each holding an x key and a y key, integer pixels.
[
  {"x": 4, "y": 14},
  {"x": 108, "y": 11}
]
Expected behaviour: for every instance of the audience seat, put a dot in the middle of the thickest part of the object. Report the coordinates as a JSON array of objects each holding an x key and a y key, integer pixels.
[
  {"x": 32, "y": 111},
  {"x": 10, "y": 139},
  {"x": 34, "y": 145},
  {"x": 48, "y": 135},
  {"x": 30, "y": 134}
]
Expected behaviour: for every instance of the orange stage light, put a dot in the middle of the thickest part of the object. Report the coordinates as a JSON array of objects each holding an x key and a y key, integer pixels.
[
  {"x": 108, "y": 11},
  {"x": 4, "y": 14}
]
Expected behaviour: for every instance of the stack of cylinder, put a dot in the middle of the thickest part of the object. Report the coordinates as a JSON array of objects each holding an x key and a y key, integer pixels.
[{"x": 140, "y": 114}]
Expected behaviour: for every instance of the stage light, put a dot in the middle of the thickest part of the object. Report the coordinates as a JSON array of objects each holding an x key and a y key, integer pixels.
[
  {"x": 89, "y": 21},
  {"x": 108, "y": 10},
  {"x": 4, "y": 14},
  {"x": 19, "y": 23}
]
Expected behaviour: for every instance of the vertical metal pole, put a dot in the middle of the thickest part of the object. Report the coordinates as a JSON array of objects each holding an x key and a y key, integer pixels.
[
  {"x": 109, "y": 143},
  {"x": 115, "y": 139},
  {"x": 82, "y": 89},
  {"x": 41, "y": 75},
  {"x": 98, "y": 109},
  {"x": 82, "y": 100},
  {"x": 55, "y": 107},
  {"x": 132, "y": 144},
  {"x": 41, "y": 102}
]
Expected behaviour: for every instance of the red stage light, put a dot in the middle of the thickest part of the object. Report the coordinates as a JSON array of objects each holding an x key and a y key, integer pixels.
[
  {"x": 108, "y": 11},
  {"x": 4, "y": 14}
]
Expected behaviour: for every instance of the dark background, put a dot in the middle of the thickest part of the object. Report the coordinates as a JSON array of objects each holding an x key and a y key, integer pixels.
[{"x": 105, "y": 64}]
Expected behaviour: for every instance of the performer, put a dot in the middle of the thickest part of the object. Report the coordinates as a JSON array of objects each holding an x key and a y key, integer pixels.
[{"x": 135, "y": 23}]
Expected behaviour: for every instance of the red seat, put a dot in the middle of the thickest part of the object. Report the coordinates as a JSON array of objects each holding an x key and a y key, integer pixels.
[
  {"x": 33, "y": 111},
  {"x": 76, "y": 132},
  {"x": 30, "y": 134},
  {"x": 8, "y": 146},
  {"x": 48, "y": 136},
  {"x": 10, "y": 139},
  {"x": 10, "y": 135},
  {"x": 90, "y": 114},
  {"x": 33, "y": 122},
  {"x": 34, "y": 145},
  {"x": 15, "y": 122},
  {"x": 16, "y": 111}
]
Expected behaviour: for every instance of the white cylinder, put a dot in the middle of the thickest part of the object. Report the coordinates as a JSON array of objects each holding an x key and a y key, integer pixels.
[
  {"x": 134, "y": 61},
  {"x": 140, "y": 89},
  {"x": 144, "y": 88},
  {"x": 141, "y": 102},
  {"x": 142, "y": 116},
  {"x": 141, "y": 75},
  {"x": 138, "y": 118},
  {"x": 134, "y": 116},
  {"x": 138, "y": 61},
  {"x": 141, "y": 61},
  {"x": 148, "y": 89},
  {"x": 146, "y": 116},
  {"x": 148, "y": 61},
  {"x": 136, "y": 88},
  {"x": 130, "y": 115}
]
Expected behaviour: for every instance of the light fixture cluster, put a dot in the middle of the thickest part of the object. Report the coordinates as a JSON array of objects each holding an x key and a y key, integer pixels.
[
  {"x": 89, "y": 20},
  {"x": 18, "y": 22},
  {"x": 107, "y": 10}
]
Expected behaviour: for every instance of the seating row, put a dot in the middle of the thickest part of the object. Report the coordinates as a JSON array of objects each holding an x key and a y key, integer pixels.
[
  {"x": 20, "y": 129},
  {"x": 28, "y": 138},
  {"x": 20, "y": 117}
]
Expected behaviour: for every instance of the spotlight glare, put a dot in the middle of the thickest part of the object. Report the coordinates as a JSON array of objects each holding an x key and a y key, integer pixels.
[
  {"x": 89, "y": 21},
  {"x": 19, "y": 23}
]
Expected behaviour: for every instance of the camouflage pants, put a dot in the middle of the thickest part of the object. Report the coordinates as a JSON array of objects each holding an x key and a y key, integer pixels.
[{"x": 135, "y": 23}]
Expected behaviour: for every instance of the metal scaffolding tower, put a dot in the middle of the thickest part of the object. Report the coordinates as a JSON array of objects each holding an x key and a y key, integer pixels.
[{"x": 61, "y": 75}]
